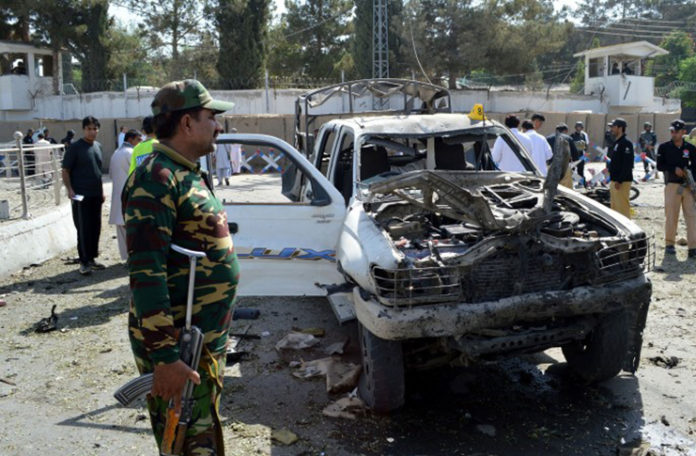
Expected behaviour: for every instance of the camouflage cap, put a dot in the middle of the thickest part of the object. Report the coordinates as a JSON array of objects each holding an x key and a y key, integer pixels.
[{"x": 186, "y": 94}]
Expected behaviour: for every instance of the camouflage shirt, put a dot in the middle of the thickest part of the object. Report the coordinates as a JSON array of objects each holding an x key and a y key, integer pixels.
[{"x": 167, "y": 201}]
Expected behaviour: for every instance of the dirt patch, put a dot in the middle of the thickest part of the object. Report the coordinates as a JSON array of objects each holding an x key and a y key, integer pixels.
[{"x": 56, "y": 387}]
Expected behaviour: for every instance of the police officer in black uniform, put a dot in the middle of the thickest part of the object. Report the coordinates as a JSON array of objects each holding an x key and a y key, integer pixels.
[
  {"x": 620, "y": 168},
  {"x": 674, "y": 157}
]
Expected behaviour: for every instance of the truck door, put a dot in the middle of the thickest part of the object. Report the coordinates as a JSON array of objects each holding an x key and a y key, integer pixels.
[{"x": 286, "y": 242}]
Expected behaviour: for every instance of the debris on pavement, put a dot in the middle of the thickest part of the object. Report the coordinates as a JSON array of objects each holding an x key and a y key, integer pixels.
[
  {"x": 49, "y": 323},
  {"x": 296, "y": 341},
  {"x": 636, "y": 448},
  {"x": 284, "y": 436},
  {"x": 668, "y": 362},
  {"x": 340, "y": 376},
  {"x": 245, "y": 313},
  {"x": 347, "y": 407},
  {"x": 3, "y": 303},
  {"x": 336, "y": 348},
  {"x": 316, "y": 332}
]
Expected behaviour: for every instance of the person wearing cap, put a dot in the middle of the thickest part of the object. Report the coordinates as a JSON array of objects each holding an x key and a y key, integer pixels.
[
  {"x": 647, "y": 141},
  {"x": 582, "y": 141},
  {"x": 503, "y": 156},
  {"x": 144, "y": 148},
  {"x": 541, "y": 150},
  {"x": 562, "y": 130},
  {"x": 168, "y": 200},
  {"x": 674, "y": 158},
  {"x": 609, "y": 138},
  {"x": 620, "y": 168}
]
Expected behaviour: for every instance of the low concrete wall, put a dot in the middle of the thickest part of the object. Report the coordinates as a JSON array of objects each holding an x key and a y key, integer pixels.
[{"x": 35, "y": 240}]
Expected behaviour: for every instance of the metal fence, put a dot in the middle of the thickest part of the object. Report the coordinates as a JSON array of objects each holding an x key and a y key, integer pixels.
[{"x": 30, "y": 177}]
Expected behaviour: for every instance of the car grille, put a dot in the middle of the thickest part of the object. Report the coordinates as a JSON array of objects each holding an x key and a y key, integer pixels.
[
  {"x": 508, "y": 273},
  {"x": 625, "y": 259}
]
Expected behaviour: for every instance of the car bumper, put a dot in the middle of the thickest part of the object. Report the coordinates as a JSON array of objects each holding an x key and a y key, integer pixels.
[{"x": 442, "y": 320}]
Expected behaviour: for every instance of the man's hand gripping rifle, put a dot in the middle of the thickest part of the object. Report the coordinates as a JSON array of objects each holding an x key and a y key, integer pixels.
[{"x": 190, "y": 348}]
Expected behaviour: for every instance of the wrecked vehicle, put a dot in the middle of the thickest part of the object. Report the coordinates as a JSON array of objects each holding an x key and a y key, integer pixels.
[{"x": 411, "y": 229}]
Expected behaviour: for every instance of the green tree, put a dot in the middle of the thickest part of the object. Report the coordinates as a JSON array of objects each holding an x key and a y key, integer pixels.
[
  {"x": 361, "y": 41},
  {"x": 129, "y": 55},
  {"x": 687, "y": 74},
  {"x": 666, "y": 67},
  {"x": 171, "y": 26},
  {"x": 89, "y": 46},
  {"x": 242, "y": 28},
  {"x": 315, "y": 34},
  {"x": 81, "y": 27},
  {"x": 454, "y": 38}
]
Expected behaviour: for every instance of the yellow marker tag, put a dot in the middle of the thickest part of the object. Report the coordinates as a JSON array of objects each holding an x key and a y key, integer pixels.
[{"x": 477, "y": 113}]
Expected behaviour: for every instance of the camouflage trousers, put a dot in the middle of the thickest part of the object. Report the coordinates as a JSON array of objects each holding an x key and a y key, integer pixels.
[{"x": 204, "y": 434}]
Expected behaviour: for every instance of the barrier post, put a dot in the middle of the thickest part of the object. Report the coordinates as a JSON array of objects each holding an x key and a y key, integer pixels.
[
  {"x": 18, "y": 136},
  {"x": 56, "y": 175}
]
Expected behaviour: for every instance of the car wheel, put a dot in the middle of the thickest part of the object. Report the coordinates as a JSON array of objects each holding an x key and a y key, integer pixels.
[
  {"x": 382, "y": 382},
  {"x": 601, "y": 354}
]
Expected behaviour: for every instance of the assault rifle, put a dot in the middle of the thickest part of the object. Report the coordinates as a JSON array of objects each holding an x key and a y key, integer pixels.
[
  {"x": 689, "y": 178},
  {"x": 190, "y": 347}
]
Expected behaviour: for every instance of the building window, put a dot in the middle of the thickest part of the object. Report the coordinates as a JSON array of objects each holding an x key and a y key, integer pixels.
[
  {"x": 44, "y": 65},
  {"x": 11, "y": 63},
  {"x": 596, "y": 68}
]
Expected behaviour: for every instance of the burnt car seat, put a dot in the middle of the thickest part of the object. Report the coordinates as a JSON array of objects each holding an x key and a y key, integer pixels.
[
  {"x": 450, "y": 156},
  {"x": 374, "y": 160}
]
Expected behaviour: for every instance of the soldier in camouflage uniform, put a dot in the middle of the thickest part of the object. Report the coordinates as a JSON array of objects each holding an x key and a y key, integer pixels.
[
  {"x": 648, "y": 141},
  {"x": 168, "y": 200}
]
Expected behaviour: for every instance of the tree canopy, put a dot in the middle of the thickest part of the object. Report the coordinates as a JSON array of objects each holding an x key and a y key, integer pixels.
[{"x": 231, "y": 43}]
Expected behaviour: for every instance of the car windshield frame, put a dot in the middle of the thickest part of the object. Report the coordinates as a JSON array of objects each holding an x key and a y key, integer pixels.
[{"x": 469, "y": 135}]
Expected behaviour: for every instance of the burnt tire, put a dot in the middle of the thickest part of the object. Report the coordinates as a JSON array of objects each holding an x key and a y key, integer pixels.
[
  {"x": 601, "y": 354},
  {"x": 382, "y": 383}
]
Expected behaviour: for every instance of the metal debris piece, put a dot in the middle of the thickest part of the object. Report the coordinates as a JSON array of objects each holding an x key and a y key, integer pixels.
[
  {"x": 317, "y": 332},
  {"x": 296, "y": 341},
  {"x": 556, "y": 171}
]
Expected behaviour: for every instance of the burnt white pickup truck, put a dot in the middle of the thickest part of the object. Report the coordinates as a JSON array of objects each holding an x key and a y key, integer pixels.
[{"x": 404, "y": 220}]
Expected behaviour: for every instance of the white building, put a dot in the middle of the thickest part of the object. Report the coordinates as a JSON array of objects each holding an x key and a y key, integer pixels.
[
  {"x": 616, "y": 74},
  {"x": 26, "y": 73}
]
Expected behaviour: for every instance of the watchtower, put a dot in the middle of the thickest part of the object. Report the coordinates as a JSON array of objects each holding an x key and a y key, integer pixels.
[{"x": 617, "y": 73}]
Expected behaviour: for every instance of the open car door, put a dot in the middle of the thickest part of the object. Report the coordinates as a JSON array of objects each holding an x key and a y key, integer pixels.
[{"x": 285, "y": 218}]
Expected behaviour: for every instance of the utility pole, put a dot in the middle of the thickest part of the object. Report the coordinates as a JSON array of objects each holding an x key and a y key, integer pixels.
[{"x": 380, "y": 45}]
